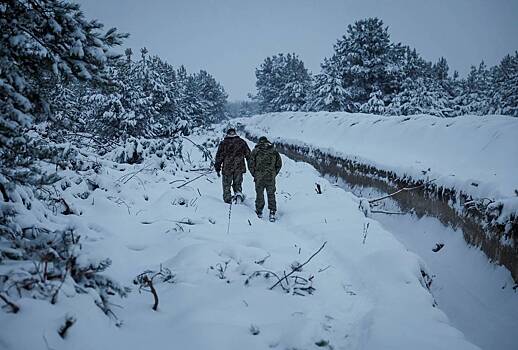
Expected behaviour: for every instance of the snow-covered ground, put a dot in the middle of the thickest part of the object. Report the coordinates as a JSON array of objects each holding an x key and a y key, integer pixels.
[{"x": 369, "y": 289}]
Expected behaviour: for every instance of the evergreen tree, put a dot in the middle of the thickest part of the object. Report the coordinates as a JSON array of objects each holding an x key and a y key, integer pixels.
[
  {"x": 283, "y": 83},
  {"x": 327, "y": 92},
  {"x": 365, "y": 60},
  {"x": 440, "y": 69},
  {"x": 375, "y": 104},
  {"x": 474, "y": 93},
  {"x": 504, "y": 97},
  {"x": 421, "y": 96},
  {"x": 41, "y": 41},
  {"x": 212, "y": 98}
]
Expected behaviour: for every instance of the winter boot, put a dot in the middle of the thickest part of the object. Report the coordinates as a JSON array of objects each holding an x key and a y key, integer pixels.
[
  {"x": 272, "y": 216},
  {"x": 239, "y": 197},
  {"x": 259, "y": 215}
]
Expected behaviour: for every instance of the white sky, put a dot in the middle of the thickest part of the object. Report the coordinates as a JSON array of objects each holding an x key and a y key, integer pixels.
[{"x": 230, "y": 38}]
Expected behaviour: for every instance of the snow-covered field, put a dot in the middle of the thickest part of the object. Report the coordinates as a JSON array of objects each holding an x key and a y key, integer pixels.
[{"x": 369, "y": 290}]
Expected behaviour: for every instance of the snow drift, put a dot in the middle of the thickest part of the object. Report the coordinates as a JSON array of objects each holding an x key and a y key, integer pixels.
[{"x": 468, "y": 165}]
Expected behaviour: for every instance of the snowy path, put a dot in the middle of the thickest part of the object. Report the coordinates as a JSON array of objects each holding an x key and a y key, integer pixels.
[{"x": 369, "y": 291}]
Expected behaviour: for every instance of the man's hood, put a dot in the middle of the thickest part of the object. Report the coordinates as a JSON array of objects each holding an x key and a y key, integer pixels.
[{"x": 264, "y": 145}]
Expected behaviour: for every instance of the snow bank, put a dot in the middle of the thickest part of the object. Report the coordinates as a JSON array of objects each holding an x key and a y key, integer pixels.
[{"x": 475, "y": 154}]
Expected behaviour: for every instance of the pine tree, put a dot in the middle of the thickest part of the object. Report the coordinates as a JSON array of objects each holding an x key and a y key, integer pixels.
[
  {"x": 474, "y": 93},
  {"x": 440, "y": 69},
  {"x": 365, "y": 59},
  {"x": 504, "y": 97},
  {"x": 212, "y": 98},
  {"x": 375, "y": 104},
  {"x": 46, "y": 40},
  {"x": 283, "y": 83},
  {"x": 421, "y": 96},
  {"x": 327, "y": 92}
]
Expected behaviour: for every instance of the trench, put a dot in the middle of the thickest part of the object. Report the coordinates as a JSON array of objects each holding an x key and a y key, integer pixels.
[
  {"x": 476, "y": 294},
  {"x": 429, "y": 200}
]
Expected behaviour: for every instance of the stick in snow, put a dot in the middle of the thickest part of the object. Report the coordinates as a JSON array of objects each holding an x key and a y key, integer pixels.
[
  {"x": 299, "y": 267},
  {"x": 229, "y": 216},
  {"x": 399, "y": 191},
  {"x": 196, "y": 178},
  {"x": 14, "y": 308}
]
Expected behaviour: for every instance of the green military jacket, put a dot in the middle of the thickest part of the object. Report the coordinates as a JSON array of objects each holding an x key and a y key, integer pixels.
[{"x": 265, "y": 162}]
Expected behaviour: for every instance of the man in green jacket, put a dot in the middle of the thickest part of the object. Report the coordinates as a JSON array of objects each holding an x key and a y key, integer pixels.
[{"x": 264, "y": 165}]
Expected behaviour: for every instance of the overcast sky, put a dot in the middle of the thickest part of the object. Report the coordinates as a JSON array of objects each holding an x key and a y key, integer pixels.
[{"x": 230, "y": 38}]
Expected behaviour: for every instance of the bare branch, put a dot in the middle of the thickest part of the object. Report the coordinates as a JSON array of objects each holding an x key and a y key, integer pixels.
[
  {"x": 14, "y": 308},
  {"x": 404, "y": 189},
  {"x": 298, "y": 267}
]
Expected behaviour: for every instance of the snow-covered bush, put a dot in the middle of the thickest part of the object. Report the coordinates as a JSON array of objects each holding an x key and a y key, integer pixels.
[
  {"x": 40, "y": 259},
  {"x": 135, "y": 150}
]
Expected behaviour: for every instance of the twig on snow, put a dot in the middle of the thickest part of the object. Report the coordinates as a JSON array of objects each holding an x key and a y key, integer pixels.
[
  {"x": 14, "y": 308},
  {"x": 299, "y": 267},
  {"x": 404, "y": 189},
  {"x": 387, "y": 212},
  {"x": 196, "y": 178}
]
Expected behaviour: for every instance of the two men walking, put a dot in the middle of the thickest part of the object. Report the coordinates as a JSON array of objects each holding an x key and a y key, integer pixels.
[{"x": 264, "y": 163}]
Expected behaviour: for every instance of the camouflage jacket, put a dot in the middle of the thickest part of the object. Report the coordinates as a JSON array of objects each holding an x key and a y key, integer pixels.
[
  {"x": 265, "y": 162},
  {"x": 231, "y": 155}
]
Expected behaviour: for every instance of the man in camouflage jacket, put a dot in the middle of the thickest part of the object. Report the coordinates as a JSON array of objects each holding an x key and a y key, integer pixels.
[
  {"x": 230, "y": 160},
  {"x": 264, "y": 165}
]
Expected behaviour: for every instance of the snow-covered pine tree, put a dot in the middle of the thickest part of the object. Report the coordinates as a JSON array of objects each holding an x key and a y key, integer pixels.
[
  {"x": 283, "y": 83},
  {"x": 211, "y": 98},
  {"x": 44, "y": 45},
  {"x": 327, "y": 92},
  {"x": 421, "y": 96},
  {"x": 474, "y": 93},
  {"x": 504, "y": 97},
  {"x": 440, "y": 69},
  {"x": 41, "y": 40},
  {"x": 365, "y": 60},
  {"x": 375, "y": 104}
]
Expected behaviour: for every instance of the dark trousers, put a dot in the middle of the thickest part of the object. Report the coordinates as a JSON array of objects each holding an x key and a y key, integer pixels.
[
  {"x": 269, "y": 186},
  {"x": 234, "y": 180}
]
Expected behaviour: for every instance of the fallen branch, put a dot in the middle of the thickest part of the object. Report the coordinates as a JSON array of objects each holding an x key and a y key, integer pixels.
[
  {"x": 14, "y": 308},
  {"x": 125, "y": 179},
  {"x": 299, "y": 267},
  {"x": 145, "y": 281},
  {"x": 206, "y": 153},
  {"x": 261, "y": 262},
  {"x": 267, "y": 274},
  {"x": 196, "y": 178},
  {"x": 387, "y": 212},
  {"x": 404, "y": 189}
]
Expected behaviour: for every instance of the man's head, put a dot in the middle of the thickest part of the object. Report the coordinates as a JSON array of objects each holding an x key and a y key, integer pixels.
[
  {"x": 263, "y": 139},
  {"x": 231, "y": 132}
]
